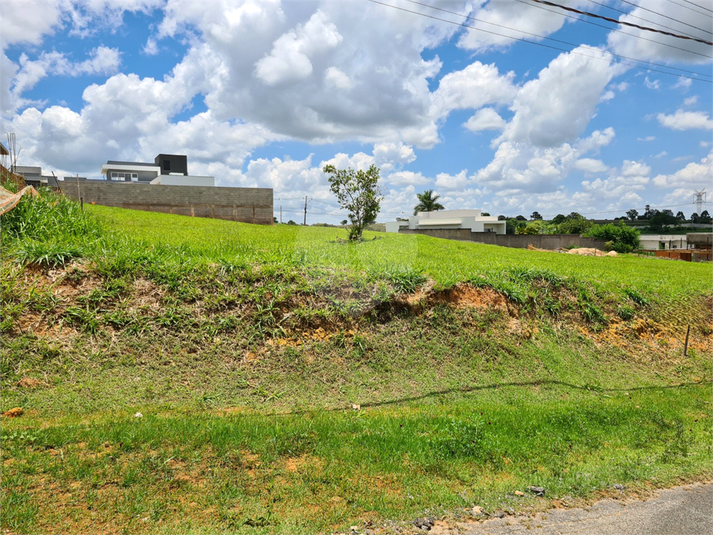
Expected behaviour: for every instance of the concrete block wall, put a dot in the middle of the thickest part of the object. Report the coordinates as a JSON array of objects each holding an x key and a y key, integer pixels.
[
  {"x": 248, "y": 205},
  {"x": 541, "y": 241}
]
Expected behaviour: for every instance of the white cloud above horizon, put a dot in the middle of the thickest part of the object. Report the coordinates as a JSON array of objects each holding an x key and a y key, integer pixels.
[{"x": 369, "y": 84}]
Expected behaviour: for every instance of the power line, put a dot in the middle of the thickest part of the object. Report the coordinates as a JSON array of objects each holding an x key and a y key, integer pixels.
[
  {"x": 694, "y": 4},
  {"x": 462, "y": 25},
  {"x": 624, "y": 23},
  {"x": 552, "y": 38},
  {"x": 592, "y": 23},
  {"x": 637, "y": 17},
  {"x": 469, "y": 17},
  {"x": 667, "y": 17}
]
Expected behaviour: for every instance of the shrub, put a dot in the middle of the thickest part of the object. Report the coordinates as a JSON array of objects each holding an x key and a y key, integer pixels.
[{"x": 619, "y": 238}]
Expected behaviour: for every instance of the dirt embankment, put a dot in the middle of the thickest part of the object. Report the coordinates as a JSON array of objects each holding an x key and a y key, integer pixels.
[{"x": 64, "y": 304}]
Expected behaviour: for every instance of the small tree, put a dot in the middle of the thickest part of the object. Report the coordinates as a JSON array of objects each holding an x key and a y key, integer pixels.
[
  {"x": 704, "y": 217},
  {"x": 535, "y": 216},
  {"x": 358, "y": 192},
  {"x": 632, "y": 214},
  {"x": 427, "y": 202}
]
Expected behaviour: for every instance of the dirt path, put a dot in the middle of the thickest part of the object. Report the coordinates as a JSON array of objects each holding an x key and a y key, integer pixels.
[{"x": 686, "y": 510}]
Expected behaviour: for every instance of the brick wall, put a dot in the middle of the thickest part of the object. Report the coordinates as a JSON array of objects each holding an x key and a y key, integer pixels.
[
  {"x": 541, "y": 241},
  {"x": 248, "y": 205}
]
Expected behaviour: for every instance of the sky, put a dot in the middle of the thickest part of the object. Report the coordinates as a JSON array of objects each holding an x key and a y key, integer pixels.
[{"x": 509, "y": 106}]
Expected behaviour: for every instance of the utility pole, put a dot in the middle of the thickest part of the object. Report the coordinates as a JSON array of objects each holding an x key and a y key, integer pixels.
[
  {"x": 280, "y": 214},
  {"x": 305, "y": 221}
]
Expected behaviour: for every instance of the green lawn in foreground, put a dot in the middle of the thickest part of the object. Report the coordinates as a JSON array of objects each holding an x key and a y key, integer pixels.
[
  {"x": 321, "y": 471},
  {"x": 245, "y": 347}
]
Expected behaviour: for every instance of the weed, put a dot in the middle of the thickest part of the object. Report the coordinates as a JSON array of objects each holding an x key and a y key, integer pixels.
[
  {"x": 531, "y": 274},
  {"x": 636, "y": 297},
  {"x": 592, "y": 313},
  {"x": 405, "y": 281},
  {"x": 46, "y": 254},
  {"x": 85, "y": 318},
  {"x": 625, "y": 312},
  {"x": 48, "y": 217}
]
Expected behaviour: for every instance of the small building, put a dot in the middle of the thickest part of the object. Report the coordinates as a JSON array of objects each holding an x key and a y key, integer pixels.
[
  {"x": 166, "y": 169},
  {"x": 33, "y": 176},
  {"x": 472, "y": 220},
  {"x": 661, "y": 242}
]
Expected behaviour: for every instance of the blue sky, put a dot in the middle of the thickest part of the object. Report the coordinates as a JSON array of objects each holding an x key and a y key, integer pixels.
[{"x": 595, "y": 117}]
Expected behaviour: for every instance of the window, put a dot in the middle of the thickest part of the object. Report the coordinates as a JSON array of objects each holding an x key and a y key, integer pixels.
[
  {"x": 167, "y": 165},
  {"x": 114, "y": 175}
]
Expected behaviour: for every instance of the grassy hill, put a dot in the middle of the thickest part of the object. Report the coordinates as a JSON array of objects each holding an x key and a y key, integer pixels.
[{"x": 196, "y": 375}]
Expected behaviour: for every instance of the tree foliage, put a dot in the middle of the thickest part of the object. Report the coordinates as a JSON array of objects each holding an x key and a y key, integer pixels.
[
  {"x": 427, "y": 202},
  {"x": 620, "y": 238},
  {"x": 659, "y": 220},
  {"x": 538, "y": 226},
  {"x": 358, "y": 192},
  {"x": 574, "y": 223}
]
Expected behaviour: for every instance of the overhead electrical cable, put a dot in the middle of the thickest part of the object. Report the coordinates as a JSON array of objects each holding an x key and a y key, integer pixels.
[
  {"x": 687, "y": 7},
  {"x": 623, "y": 23},
  {"x": 694, "y": 4},
  {"x": 469, "y": 17},
  {"x": 639, "y": 18},
  {"x": 667, "y": 17},
  {"x": 700, "y": 77},
  {"x": 592, "y": 23}
]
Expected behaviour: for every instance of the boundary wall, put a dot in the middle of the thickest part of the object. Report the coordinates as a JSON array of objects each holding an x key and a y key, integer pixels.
[
  {"x": 541, "y": 241},
  {"x": 247, "y": 205}
]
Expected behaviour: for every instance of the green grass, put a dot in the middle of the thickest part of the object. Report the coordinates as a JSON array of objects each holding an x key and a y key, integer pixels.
[
  {"x": 447, "y": 263},
  {"x": 478, "y": 370},
  {"x": 321, "y": 471}
]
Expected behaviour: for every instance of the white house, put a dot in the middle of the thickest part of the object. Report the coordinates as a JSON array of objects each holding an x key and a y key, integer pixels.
[
  {"x": 167, "y": 169},
  {"x": 657, "y": 241},
  {"x": 450, "y": 219}
]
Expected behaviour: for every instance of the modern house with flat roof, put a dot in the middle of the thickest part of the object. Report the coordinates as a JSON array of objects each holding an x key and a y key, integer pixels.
[
  {"x": 663, "y": 241},
  {"x": 450, "y": 219},
  {"x": 167, "y": 169}
]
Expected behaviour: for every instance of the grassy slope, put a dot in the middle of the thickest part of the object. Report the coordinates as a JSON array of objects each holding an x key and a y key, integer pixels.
[{"x": 245, "y": 348}]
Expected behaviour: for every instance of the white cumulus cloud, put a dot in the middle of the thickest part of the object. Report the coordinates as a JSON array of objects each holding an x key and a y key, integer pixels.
[
  {"x": 686, "y": 120},
  {"x": 590, "y": 165},
  {"x": 485, "y": 119}
]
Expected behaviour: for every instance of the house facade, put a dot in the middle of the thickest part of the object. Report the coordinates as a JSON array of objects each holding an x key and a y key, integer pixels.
[
  {"x": 472, "y": 220},
  {"x": 663, "y": 242},
  {"x": 167, "y": 170}
]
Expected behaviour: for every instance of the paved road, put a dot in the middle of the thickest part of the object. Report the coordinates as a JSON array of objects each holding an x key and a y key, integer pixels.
[{"x": 684, "y": 510}]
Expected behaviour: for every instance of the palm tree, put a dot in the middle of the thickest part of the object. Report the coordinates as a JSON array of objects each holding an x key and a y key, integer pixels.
[{"x": 427, "y": 202}]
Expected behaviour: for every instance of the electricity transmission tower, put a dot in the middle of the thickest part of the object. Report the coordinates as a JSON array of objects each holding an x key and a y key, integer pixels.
[{"x": 699, "y": 197}]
